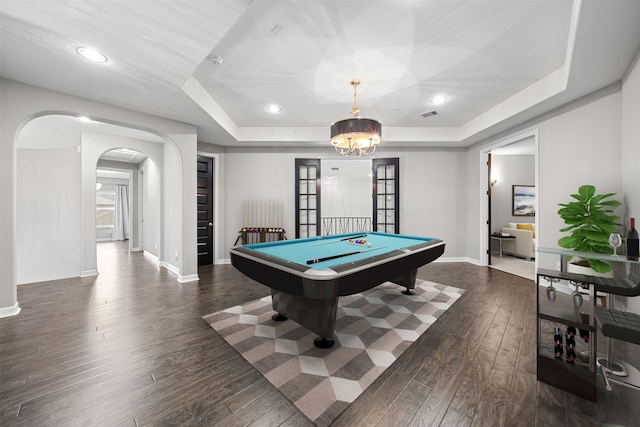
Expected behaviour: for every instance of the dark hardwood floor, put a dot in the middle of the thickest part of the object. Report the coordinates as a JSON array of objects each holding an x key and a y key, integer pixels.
[{"x": 129, "y": 348}]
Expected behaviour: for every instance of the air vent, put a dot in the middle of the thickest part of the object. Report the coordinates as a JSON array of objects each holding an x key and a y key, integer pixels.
[
  {"x": 218, "y": 60},
  {"x": 429, "y": 113}
]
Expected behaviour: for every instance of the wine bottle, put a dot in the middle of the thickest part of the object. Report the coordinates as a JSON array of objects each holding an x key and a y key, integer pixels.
[
  {"x": 584, "y": 333},
  {"x": 633, "y": 247}
]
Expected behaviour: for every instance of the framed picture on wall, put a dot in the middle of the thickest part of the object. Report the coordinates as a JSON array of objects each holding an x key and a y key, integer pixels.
[{"x": 524, "y": 200}]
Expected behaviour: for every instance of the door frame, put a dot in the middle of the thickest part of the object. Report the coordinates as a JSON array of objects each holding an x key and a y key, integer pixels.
[
  {"x": 484, "y": 191},
  {"x": 216, "y": 204}
]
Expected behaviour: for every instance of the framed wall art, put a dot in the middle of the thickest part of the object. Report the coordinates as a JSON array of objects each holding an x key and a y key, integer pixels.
[{"x": 524, "y": 200}]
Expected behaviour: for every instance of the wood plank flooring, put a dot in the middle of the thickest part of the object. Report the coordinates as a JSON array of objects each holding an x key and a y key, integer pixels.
[{"x": 129, "y": 348}]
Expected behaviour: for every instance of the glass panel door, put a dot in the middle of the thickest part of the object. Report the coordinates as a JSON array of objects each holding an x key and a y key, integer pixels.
[
  {"x": 386, "y": 197},
  {"x": 307, "y": 198}
]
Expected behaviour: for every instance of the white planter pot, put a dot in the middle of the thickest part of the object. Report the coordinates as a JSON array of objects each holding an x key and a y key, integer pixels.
[{"x": 573, "y": 268}]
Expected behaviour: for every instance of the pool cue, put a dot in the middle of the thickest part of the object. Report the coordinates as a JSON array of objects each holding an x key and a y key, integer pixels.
[
  {"x": 327, "y": 258},
  {"x": 341, "y": 240}
]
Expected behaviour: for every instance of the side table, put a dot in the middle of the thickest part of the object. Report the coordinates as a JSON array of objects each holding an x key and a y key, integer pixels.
[{"x": 501, "y": 239}]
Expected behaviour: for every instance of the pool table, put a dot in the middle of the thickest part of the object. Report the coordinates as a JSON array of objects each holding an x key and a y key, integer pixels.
[{"x": 307, "y": 276}]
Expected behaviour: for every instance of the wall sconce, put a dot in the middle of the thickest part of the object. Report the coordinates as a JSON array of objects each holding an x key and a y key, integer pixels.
[
  {"x": 494, "y": 182},
  {"x": 98, "y": 186}
]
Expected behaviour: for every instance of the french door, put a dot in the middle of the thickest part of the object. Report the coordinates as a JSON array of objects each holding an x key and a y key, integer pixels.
[
  {"x": 386, "y": 196},
  {"x": 307, "y": 198}
]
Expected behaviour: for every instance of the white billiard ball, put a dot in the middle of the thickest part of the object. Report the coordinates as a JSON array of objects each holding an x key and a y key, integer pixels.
[{"x": 369, "y": 244}]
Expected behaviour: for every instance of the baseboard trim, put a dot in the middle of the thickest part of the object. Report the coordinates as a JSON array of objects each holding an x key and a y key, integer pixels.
[
  {"x": 175, "y": 270},
  {"x": 223, "y": 261},
  {"x": 136, "y": 249},
  {"x": 459, "y": 259},
  {"x": 172, "y": 268},
  {"x": 188, "y": 278},
  {"x": 10, "y": 311},
  {"x": 89, "y": 273},
  {"x": 151, "y": 257}
]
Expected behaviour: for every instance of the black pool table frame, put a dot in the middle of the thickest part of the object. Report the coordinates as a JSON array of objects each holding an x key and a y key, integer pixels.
[{"x": 310, "y": 297}]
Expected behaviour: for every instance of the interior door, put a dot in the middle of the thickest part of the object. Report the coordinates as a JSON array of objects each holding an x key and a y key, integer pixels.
[
  {"x": 386, "y": 195},
  {"x": 489, "y": 188},
  {"x": 307, "y": 198},
  {"x": 205, "y": 210}
]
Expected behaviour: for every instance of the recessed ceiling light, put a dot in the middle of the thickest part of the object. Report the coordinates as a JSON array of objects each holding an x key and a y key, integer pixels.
[
  {"x": 438, "y": 99},
  {"x": 91, "y": 54},
  {"x": 274, "y": 109}
]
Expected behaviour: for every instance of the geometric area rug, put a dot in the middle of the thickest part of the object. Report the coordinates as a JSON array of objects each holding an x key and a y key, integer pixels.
[{"x": 373, "y": 329}]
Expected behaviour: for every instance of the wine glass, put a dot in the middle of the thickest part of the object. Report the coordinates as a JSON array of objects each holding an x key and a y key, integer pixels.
[{"x": 615, "y": 241}]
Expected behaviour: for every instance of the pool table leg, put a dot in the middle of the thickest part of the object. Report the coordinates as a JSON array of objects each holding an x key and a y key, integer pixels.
[
  {"x": 279, "y": 317},
  {"x": 407, "y": 280},
  {"x": 317, "y": 315},
  {"x": 323, "y": 342}
]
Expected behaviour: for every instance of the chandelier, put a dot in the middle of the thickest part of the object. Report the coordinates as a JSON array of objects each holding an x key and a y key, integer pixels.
[{"x": 356, "y": 135}]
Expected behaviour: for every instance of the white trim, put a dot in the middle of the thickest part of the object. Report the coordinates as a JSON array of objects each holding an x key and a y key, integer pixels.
[
  {"x": 104, "y": 239},
  {"x": 188, "y": 278},
  {"x": 459, "y": 259},
  {"x": 484, "y": 216},
  {"x": 223, "y": 261},
  {"x": 216, "y": 195},
  {"x": 172, "y": 268},
  {"x": 89, "y": 273},
  {"x": 151, "y": 257},
  {"x": 13, "y": 310},
  {"x": 175, "y": 270},
  {"x": 136, "y": 249}
]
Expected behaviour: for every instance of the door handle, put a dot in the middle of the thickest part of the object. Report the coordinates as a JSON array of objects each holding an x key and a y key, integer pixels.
[{"x": 210, "y": 224}]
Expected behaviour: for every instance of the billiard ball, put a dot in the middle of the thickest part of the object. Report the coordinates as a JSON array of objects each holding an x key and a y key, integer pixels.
[{"x": 369, "y": 244}]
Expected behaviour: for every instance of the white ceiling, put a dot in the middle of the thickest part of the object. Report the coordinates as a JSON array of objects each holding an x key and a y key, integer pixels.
[{"x": 500, "y": 62}]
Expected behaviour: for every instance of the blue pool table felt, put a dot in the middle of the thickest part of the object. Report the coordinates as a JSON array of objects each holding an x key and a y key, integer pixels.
[{"x": 301, "y": 250}]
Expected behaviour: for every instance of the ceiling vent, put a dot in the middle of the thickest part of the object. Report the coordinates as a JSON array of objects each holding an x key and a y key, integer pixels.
[
  {"x": 429, "y": 113},
  {"x": 218, "y": 60}
]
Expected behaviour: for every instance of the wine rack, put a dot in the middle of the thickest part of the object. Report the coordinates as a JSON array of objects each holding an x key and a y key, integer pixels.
[{"x": 557, "y": 309}]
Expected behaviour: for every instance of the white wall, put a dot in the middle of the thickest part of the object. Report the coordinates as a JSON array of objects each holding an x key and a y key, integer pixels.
[
  {"x": 510, "y": 170},
  {"x": 151, "y": 202},
  {"x": 20, "y": 104},
  {"x": 432, "y": 191},
  {"x": 577, "y": 144},
  {"x": 579, "y": 147},
  {"x": 630, "y": 155},
  {"x": 172, "y": 219},
  {"x": 346, "y": 188},
  {"x": 432, "y": 196},
  {"x": 94, "y": 145},
  {"x": 48, "y": 220}
]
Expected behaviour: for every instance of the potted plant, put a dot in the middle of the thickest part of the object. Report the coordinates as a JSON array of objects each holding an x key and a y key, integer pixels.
[{"x": 590, "y": 221}]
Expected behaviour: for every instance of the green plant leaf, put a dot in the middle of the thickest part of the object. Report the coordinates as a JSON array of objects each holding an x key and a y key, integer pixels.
[
  {"x": 599, "y": 266},
  {"x": 586, "y": 192},
  {"x": 589, "y": 221}
]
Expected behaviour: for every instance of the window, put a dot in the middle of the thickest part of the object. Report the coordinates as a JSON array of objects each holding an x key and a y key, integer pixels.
[{"x": 105, "y": 208}]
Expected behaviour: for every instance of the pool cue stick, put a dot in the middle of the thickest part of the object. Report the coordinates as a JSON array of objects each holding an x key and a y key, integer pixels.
[
  {"x": 328, "y": 258},
  {"x": 341, "y": 240}
]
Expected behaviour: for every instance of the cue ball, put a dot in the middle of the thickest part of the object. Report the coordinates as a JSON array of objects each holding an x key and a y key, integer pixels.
[{"x": 369, "y": 244}]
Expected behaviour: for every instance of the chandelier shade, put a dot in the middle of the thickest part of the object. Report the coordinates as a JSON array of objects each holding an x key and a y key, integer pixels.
[{"x": 356, "y": 135}]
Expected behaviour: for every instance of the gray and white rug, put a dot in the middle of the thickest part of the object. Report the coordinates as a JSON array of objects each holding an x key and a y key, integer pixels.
[{"x": 373, "y": 329}]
